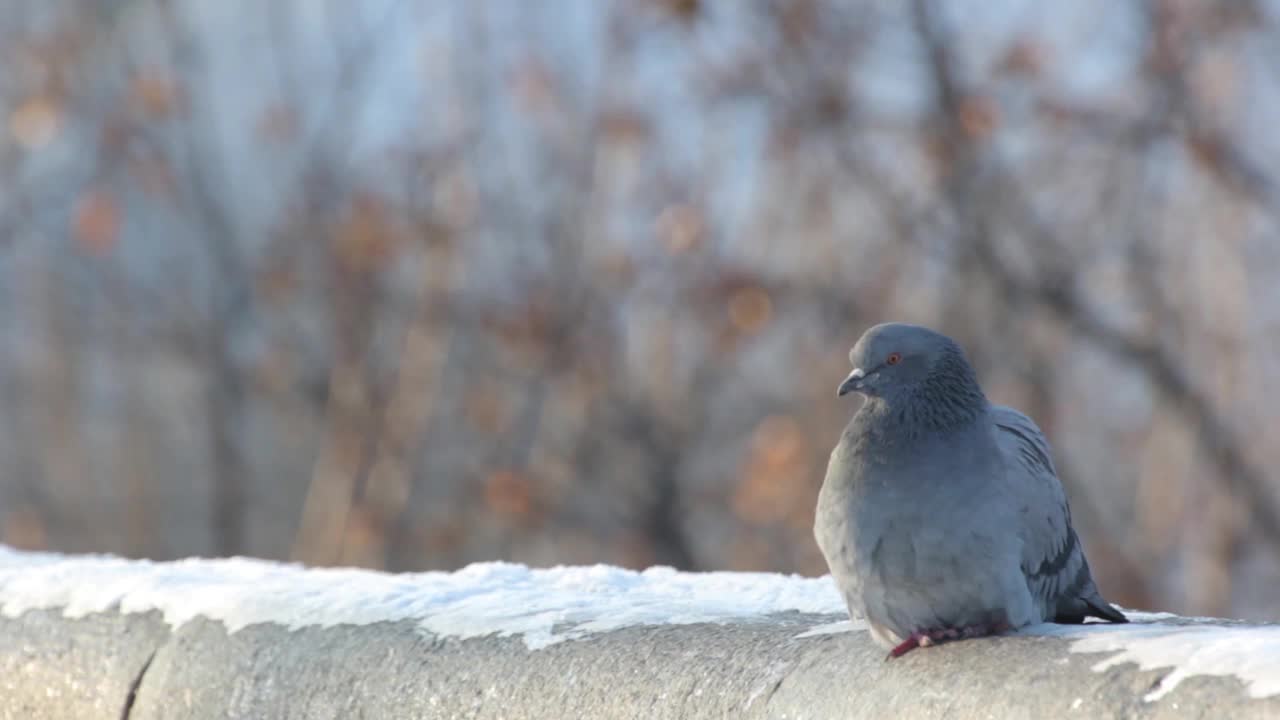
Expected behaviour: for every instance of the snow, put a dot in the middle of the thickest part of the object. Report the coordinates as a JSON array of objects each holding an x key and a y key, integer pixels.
[
  {"x": 542, "y": 606},
  {"x": 547, "y": 606},
  {"x": 1250, "y": 653},
  {"x": 843, "y": 626}
]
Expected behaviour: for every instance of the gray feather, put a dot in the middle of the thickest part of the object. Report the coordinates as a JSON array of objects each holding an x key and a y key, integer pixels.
[{"x": 1052, "y": 559}]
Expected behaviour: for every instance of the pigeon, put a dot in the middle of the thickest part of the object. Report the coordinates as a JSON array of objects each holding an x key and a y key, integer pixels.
[{"x": 941, "y": 516}]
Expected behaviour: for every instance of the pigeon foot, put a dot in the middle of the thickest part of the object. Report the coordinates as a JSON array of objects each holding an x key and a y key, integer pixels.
[{"x": 938, "y": 636}]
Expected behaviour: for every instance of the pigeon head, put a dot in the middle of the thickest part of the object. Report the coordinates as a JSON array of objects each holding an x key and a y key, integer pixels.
[{"x": 896, "y": 360}]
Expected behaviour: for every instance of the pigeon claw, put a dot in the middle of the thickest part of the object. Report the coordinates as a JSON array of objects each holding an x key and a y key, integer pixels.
[
  {"x": 938, "y": 636},
  {"x": 911, "y": 643}
]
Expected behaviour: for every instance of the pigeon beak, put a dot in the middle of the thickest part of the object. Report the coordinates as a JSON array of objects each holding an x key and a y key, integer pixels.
[{"x": 851, "y": 383}]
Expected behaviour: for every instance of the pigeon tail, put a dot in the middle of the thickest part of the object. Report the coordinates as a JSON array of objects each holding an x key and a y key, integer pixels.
[
  {"x": 1093, "y": 606},
  {"x": 1106, "y": 611}
]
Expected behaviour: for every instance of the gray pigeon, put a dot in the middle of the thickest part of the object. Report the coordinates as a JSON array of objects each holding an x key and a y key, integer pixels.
[{"x": 941, "y": 516}]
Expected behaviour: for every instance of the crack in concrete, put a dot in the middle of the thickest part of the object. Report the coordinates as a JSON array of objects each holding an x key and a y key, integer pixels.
[
  {"x": 775, "y": 688},
  {"x": 134, "y": 686}
]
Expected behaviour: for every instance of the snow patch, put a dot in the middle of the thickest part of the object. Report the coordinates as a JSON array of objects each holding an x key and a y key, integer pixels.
[
  {"x": 1250, "y": 653},
  {"x": 542, "y": 606},
  {"x": 843, "y": 626}
]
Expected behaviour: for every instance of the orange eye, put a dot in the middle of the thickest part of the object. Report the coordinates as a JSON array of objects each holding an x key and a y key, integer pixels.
[{"x": 894, "y": 358}]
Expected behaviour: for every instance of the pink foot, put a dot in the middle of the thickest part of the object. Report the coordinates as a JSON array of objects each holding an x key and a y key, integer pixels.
[
  {"x": 911, "y": 643},
  {"x": 926, "y": 638}
]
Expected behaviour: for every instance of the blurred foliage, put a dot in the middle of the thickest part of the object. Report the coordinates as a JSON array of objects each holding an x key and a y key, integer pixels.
[{"x": 409, "y": 285}]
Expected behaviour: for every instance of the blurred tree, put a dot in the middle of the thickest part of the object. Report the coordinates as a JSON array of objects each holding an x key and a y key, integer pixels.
[{"x": 409, "y": 285}]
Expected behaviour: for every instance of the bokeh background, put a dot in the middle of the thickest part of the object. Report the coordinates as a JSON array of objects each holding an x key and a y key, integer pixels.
[{"x": 408, "y": 284}]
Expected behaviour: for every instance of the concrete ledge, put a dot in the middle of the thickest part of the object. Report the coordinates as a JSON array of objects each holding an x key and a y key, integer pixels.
[{"x": 73, "y": 660}]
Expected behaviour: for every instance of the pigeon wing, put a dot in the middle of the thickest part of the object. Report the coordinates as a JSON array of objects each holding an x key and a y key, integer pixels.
[{"x": 1053, "y": 562}]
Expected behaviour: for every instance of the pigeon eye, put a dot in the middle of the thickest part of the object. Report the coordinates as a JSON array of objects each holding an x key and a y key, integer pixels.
[{"x": 894, "y": 358}]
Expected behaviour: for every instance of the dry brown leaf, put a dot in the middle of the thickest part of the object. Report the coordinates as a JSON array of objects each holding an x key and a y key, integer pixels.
[{"x": 96, "y": 225}]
